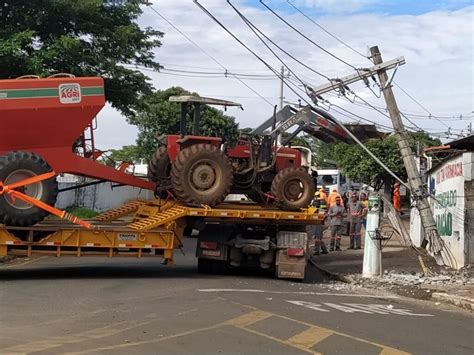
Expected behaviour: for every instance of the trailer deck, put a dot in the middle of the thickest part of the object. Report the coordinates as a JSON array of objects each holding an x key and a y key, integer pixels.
[{"x": 137, "y": 229}]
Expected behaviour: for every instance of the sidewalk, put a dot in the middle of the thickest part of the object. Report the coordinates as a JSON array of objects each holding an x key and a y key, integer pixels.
[{"x": 403, "y": 273}]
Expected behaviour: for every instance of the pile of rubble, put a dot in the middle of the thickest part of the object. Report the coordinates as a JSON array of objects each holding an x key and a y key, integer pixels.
[{"x": 411, "y": 279}]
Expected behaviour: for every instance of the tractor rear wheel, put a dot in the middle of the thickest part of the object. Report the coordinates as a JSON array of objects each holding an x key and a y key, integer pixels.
[
  {"x": 201, "y": 174},
  {"x": 17, "y": 166},
  {"x": 293, "y": 188},
  {"x": 159, "y": 167}
]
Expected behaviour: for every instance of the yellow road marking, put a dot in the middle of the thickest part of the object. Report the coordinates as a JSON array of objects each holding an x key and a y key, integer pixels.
[
  {"x": 248, "y": 319},
  {"x": 96, "y": 333},
  {"x": 385, "y": 350},
  {"x": 310, "y": 337},
  {"x": 137, "y": 343},
  {"x": 302, "y": 341},
  {"x": 392, "y": 351},
  {"x": 285, "y": 342}
]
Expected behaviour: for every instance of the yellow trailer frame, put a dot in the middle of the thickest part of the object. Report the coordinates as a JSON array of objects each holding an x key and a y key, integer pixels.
[{"x": 156, "y": 229}]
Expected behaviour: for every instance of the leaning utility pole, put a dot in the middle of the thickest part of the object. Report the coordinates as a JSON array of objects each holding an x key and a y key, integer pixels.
[{"x": 414, "y": 179}]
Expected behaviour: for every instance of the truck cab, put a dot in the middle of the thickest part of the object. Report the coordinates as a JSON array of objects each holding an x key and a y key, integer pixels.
[{"x": 334, "y": 179}]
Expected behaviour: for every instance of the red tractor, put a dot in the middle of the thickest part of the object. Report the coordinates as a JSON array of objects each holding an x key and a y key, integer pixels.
[{"x": 204, "y": 170}]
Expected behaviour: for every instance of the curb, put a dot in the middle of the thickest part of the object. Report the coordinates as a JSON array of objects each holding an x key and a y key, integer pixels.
[
  {"x": 455, "y": 300},
  {"x": 459, "y": 301}
]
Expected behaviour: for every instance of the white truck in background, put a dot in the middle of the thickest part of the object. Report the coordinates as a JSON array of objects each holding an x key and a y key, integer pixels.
[
  {"x": 329, "y": 178},
  {"x": 332, "y": 179}
]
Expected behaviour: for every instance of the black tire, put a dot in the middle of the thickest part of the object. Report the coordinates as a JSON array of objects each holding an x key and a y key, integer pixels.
[
  {"x": 212, "y": 267},
  {"x": 201, "y": 174},
  {"x": 159, "y": 167},
  {"x": 293, "y": 188},
  {"x": 16, "y": 166},
  {"x": 218, "y": 267},
  {"x": 204, "y": 266}
]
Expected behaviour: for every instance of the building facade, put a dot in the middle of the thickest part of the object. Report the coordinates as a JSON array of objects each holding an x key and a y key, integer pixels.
[{"x": 451, "y": 188}]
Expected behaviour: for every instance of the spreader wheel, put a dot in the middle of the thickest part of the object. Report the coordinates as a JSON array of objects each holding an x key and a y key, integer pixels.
[
  {"x": 201, "y": 174},
  {"x": 293, "y": 188},
  {"x": 17, "y": 166},
  {"x": 159, "y": 167}
]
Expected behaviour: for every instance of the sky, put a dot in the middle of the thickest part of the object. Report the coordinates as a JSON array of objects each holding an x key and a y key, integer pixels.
[{"x": 436, "y": 38}]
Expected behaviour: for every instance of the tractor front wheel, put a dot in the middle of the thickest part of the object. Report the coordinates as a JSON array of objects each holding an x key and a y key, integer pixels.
[
  {"x": 293, "y": 188},
  {"x": 201, "y": 174},
  {"x": 17, "y": 166}
]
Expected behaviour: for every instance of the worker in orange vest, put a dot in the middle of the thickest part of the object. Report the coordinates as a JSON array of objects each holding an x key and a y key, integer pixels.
[
  {"x": 332, "y": 198},
  {"x": 322, "y": 195},
  {"x": 396, "y": 196}
]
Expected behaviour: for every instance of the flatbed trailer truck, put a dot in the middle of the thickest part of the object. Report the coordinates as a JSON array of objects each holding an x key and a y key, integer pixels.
[{"x": 231, "y": 235}]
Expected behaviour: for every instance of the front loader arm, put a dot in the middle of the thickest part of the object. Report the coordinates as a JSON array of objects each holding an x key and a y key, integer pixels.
[{"x": 311, "y": 120}]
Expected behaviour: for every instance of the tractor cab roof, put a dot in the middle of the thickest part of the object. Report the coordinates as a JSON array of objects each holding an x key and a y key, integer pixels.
[{"x": 203, "y": 100}]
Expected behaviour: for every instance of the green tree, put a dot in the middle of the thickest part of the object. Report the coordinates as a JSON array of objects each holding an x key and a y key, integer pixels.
[
  {"x": 87, "y": 37},
  {"x": 157, "y": 116},
  {"x": 128, "y": 153},
  {"x": 359, "y": 166}
]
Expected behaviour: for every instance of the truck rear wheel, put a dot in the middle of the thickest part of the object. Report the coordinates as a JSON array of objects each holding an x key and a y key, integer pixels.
[
  {"x": 293, "y": 188},
  {"x": 210, "y": 266},
  {"x": 17, "y": 166},
  {"x": 201, "y": 174}
]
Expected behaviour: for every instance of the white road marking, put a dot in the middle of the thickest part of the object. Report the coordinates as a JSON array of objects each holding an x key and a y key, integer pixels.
[
  {"x": 347, "y": 309},
  {"x": 247, "y": 290},
  {"x": 359, "y": 307},
  {"x": 310, "y": 305}
]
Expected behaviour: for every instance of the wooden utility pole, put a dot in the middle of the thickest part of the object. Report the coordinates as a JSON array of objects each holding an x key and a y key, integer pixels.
[{"x": 414, "y": 180}]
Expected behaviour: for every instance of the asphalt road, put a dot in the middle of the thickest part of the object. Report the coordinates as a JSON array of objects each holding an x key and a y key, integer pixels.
[{"x": 122, "y": 306}]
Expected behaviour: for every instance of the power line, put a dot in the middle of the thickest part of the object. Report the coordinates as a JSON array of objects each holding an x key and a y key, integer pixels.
[
  {"x": 213, "y": 68},
  {"x": 198, "y": 74},
  {"x": 323, "y": 29},
  {"x": 348, "y": 46},
  {"x": 419, "y": 104},
  {"x": 208, "y": 13},
  {"x": 306, "y": 37},
  {"x": 225, "y": 73},
  {"x": 207, "y": 54},
  {"x": 255, "y": 28}
]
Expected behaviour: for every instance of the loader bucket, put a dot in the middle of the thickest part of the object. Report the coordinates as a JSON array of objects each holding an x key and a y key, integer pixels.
[{"x": 53, "y": 112}]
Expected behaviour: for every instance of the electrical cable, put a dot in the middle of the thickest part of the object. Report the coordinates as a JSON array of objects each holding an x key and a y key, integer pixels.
[
  {"x": 306, "y": 37},
  {"x": 419, "y": 104},
  {"x": 218, "y": 73},
  {"x": 323, "y": 29},
  {"x": 348, "y": 46},
  {"x": 207, "y": 54},
  {"x": 255, "y": 28},
  {"x": 286, "y": 82}
]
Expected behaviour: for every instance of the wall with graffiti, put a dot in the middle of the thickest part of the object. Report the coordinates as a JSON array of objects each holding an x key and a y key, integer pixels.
[{"x": 447, "y": 186}]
